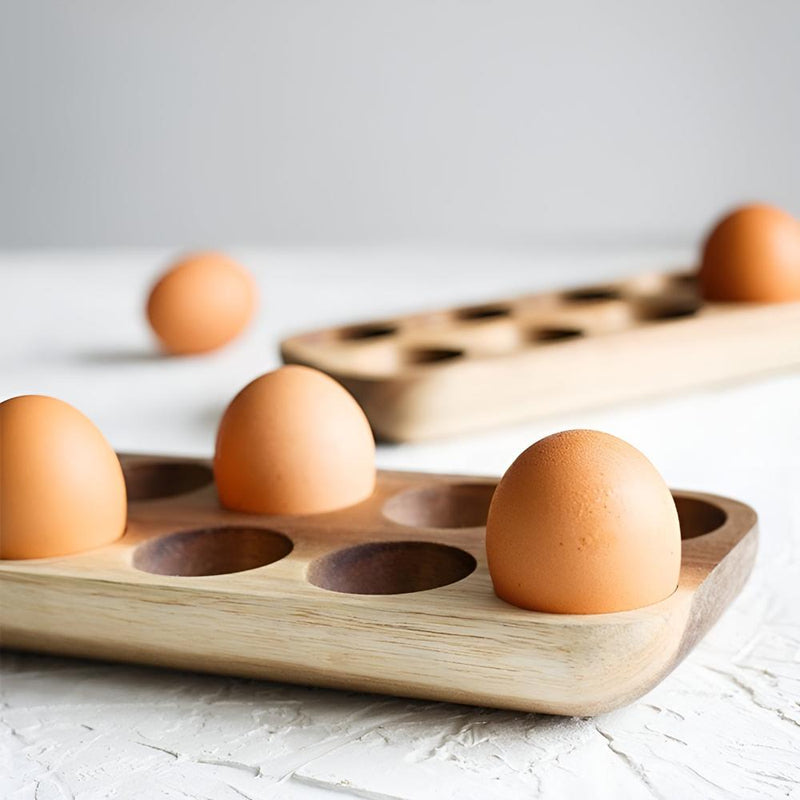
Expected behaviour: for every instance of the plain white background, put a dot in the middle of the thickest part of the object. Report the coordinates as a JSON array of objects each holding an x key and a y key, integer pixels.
[{"x": 316, "y": 122}]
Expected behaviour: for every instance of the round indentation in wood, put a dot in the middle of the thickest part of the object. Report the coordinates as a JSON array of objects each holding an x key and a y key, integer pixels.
[
  {"x": 391, "y": 568},
  {"x": 431, "y": 355},
  {"x": 657, "y": 309},
  {"x": 553, "y": 334},
  {"x": 152, "y": 480},
  {"x": 447, "y": 505},
  {"x": 698, "y": 517},
  {"x": 212, "y": 551},
  {"x": 478, "y": 313},
  {"x": 367, "y": 331},
  {"x": 685, "y": 280},
  {"x": 592, "y": 294}
]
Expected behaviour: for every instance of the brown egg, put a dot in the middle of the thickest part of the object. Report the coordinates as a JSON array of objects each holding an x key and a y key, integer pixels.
[
  {"x": 203, "y": 302},
  {"x": 61, "y": 485},
  {"x": 294, "y": 441},
  {"x": 582, "y": 523},
  {"x": 752, "y": 255}
]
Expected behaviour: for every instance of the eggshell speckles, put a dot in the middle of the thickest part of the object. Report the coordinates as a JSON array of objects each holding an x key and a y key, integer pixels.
[
  {"x": 203, "y": 302},
  {"x": 752, "y": 255},
  {"x": 294, "y": 441},
  {"x": 61, "y": 485},
  {"x": 582, "y": 523}
]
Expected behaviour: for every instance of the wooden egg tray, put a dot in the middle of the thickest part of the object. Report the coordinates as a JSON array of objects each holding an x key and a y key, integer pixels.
[
  {"x": 443, "y": 372},
  {"x": 392, "y": 595}
]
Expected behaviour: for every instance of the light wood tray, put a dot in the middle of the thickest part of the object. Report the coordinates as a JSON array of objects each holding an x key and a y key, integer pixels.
[
  {"x": 392, "y": 596},
  {"x": 443, "y": 372}
]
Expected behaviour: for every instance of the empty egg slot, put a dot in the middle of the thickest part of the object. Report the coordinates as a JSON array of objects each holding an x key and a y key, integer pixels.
[
  {"x": 431, "y": 355},
  {"x": 697, "y": 517},
  {"x": 391, "y": 568},
  {"x": 478, "y": 313},
  {"x": 658, "y": 309},
  {"x": 553, "y": 334},
  {"x": 211, "y": 551},
  {"x": 452, "y": 505},
  {"x": 592, "y": 294},
  {"x": 157, "y": 479},
  {"x": 367, "y": 331},
  {"x": 684, "y": 280}
]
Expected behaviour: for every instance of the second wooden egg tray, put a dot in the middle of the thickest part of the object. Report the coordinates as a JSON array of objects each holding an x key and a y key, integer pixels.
[
  {"x": 442, "y": 372},
  {"x": 392, "y": 595}
]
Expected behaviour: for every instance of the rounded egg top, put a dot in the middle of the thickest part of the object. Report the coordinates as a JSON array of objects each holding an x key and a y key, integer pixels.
[
  {"x": 752, "y": 255},
  {"x": 582, "y": 523},
  {"x": 62, "y": 488},
  {"x": 294, "y": 441},
  {"x": 201, "y": 303}
]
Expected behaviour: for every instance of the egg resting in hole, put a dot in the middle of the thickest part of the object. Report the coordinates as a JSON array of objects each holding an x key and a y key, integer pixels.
[
  {"x": 201, "y": 303},
  {"x": 294, "y": 441},
  {"x": 582, "y": 523},
  {"x": 752, "y": 255},
  {"x": 62, "y": 490}
]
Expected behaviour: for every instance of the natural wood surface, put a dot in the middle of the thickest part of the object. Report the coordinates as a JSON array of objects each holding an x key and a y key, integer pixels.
[
  {"x": 442, "y": 372},
  {"x": 322, "y": 614}
]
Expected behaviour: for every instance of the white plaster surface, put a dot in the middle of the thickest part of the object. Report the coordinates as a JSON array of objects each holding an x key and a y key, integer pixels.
[{"x": 725, "y": 724}]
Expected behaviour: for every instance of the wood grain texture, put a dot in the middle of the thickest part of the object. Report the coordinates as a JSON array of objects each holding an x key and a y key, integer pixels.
[
  {"x": 443, "y": 372},
  {"x": 455, "y": 642}
]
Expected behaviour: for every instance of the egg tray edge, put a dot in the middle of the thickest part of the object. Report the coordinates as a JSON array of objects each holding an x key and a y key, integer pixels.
[
  {"x": 446, "y": 371},
  {"x": 444, "y": 637}
]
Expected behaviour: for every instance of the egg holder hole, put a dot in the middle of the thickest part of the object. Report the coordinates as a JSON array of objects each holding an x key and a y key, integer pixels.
[
  {"x": 592, "y": 294},
  {"x": 684, "y": 280},
  {"x": 367, "y": 332},
  {"x": 386, "y": 567},
  {"x": 431, "y": 355},
  {"x": 698, "y": 518},
  {"x": 444, "y": 337},
  {"x": 391, "y": 568},
  {"x": 481, "y": 313},
  {"x": 212, "y": 551},
  {"x": 541, "y": 335},
  {"x": 659, "y": 310},
  {"x": 448, "y": 506},
  {"x": 159, "y": 479}
]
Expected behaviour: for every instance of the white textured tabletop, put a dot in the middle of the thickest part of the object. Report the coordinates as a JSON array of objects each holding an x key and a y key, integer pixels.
[{"x": 726, "y": 723}]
